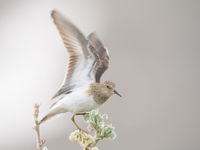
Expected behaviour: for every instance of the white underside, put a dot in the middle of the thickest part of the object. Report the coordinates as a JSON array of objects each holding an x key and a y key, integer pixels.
[{"x": 77, "y": 101}]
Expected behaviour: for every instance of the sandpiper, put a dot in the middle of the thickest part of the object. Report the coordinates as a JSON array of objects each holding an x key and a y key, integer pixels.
[{"x": 88, "y": 60}]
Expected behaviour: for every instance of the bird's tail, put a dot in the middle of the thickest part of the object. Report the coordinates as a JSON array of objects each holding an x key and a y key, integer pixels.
[{"x": 51, "y": 113}]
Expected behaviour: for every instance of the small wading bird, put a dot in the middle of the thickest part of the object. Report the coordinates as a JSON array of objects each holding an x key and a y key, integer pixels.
[{"x": 88, "y": 60}]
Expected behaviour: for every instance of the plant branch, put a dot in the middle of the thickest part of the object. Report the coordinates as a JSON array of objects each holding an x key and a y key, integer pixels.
[
  {"x": 95, "y": 123},
  {"x": 39, "y": 141}
]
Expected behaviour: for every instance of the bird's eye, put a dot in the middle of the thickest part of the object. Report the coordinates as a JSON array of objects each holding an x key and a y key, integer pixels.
[{"x": 109, "y": 87}]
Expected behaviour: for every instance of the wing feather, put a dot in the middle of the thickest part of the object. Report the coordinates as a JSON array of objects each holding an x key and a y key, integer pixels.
[
  {"x": 88, "y": 58},
  {"x": 75, "y": 43},
  {"x": 101, "y": 56}
]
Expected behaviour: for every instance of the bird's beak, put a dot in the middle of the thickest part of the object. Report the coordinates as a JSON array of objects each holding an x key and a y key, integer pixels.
[{"x": 117, "y": 93}]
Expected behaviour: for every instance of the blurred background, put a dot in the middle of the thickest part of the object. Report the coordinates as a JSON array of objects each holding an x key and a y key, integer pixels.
[{"x": 155, "y": 61}]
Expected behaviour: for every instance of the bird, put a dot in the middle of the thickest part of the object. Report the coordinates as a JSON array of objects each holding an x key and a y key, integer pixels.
[{"x": 81, "y": 90}]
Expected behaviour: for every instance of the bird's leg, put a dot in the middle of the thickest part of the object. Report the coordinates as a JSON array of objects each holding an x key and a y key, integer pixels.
[
  {"x": 84, "y": 113},
  {"x": 73, "y": 120}
]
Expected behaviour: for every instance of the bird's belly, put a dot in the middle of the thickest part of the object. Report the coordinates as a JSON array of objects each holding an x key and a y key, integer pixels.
[{"x": 79, "y": 102}]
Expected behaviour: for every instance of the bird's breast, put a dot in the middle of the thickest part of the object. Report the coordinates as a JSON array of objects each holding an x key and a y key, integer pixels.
[{"x": 79, "y": 101}]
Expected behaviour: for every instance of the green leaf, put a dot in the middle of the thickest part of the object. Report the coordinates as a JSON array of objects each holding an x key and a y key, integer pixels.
[
  {"x": 86, "y": 117},
  {"x": 107, "y": 132},
  {"x": 98, "y": 136},
  {"x": 96, "y": 121}
]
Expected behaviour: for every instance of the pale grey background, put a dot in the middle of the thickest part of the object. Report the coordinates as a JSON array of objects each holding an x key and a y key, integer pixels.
[{"x": 155, "y": 58}]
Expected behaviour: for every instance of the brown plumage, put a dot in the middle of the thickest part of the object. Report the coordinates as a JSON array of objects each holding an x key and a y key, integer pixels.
[
  {"x": 101, "y": 92},
  {"x": 74, "y": 41},
  {"x": 78, "y": 46},
  {"x": 101, "y": 55}
]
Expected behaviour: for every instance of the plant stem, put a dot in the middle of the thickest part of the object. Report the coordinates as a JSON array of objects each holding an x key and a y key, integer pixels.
[{"x": 39, "y": 141}]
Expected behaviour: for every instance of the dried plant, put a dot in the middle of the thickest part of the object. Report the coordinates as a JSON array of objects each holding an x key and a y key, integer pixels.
[{"x": 39, "y": 141}]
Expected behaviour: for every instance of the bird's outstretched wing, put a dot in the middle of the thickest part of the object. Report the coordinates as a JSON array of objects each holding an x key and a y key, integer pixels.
[
  {"x": 88, "y": 59},
  {"x": 101, "y": 56}
]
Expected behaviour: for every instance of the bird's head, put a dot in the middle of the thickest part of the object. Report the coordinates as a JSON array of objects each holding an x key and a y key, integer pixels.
[
  {"x": 109, "y": 88},
  {"x": 101, "y": 92}
]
